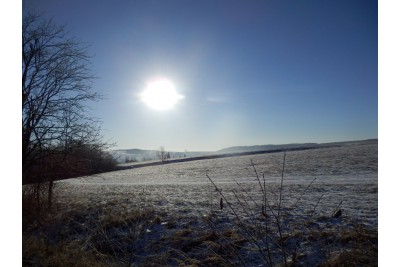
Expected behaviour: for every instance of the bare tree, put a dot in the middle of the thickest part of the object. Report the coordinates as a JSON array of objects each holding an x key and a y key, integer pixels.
[
  {"x": 56, "y": 88},
  {"x": 163, "y": 155}
]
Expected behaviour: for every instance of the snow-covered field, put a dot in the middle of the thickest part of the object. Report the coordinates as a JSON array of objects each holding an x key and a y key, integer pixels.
[
  {"x": 345, "y": 174},
  {"x": 315, "y": 184}
]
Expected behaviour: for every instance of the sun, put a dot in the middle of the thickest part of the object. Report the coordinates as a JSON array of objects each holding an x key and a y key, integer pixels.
[{"x": 160, "y": 94}]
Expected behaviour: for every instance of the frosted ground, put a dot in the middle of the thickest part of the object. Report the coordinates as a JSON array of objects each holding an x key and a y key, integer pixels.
[{"x": 316, "y": 184}]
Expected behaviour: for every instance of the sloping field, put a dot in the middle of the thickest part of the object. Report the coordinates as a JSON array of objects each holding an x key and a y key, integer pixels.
[
  {"x": 346, "y": 174},
  {"x": 235, "y": 211}
]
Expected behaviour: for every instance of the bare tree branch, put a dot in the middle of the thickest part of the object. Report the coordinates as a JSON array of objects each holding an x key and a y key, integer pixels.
[{"x": 59, "y": 138}]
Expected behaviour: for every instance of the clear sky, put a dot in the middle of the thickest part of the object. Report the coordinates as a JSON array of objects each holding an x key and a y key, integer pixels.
[{"x": 250, "y": 72}]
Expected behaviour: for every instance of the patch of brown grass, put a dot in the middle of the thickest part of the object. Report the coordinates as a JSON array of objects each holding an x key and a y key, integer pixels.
[
  {"x": 122, "y": 218},
  {"x": 362, "y": 248},
  {"x": 214, "y": 260},
  {"x": 367, "y": 256},
  {"x": 235, "y": 239},
  {"x": 38, "y": 252},
  {"x": 189, "y": 262},
  {"x": 359, "y": 235}
]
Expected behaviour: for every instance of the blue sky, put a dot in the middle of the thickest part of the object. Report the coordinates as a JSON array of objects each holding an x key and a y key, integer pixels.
[{"x": 252, "y": 72}]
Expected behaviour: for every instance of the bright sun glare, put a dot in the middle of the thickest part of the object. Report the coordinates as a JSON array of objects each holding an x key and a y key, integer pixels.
[{"x": 160, "y": 94}]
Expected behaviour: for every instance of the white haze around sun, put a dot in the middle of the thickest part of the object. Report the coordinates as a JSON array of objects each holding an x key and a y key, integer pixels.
[{"x": 160, "y": 94}]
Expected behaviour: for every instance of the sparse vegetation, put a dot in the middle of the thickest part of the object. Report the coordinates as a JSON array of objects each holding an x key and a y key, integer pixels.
[
  {"x": 281, "y": 235},
  {"x": 130, "y": 159},
  {"x": 138, "y": 226},
  {"x": 163, "y": 155},
  {"x": 59, "y": 139}
]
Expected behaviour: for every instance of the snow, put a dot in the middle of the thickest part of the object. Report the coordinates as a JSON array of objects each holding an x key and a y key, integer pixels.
[{"x": 316, "y": 181}]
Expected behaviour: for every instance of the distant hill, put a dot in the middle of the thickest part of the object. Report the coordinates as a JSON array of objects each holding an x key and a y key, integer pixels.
[
  {"x": 241, "y": 149},
  {"x": 134, "y": 155}
]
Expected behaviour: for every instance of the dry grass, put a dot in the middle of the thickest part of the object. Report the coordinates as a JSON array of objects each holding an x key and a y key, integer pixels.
[
  {"x": 118, "y": 232},
  {"x": 97, "y": 236},
  {"x": 353, "y": 257},
  {"x": 37, "y": 251},
  {"x": 282, "y": 235},
  {"x": 105, "y": 236}
]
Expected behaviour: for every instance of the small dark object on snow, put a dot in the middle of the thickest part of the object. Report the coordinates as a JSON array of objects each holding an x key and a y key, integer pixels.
[
  {"x": 338, "y": 214},
  {"x": 221, "y": 203}
]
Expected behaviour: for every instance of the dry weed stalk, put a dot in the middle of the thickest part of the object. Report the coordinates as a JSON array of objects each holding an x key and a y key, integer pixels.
[{"x": 269, "y": 243}]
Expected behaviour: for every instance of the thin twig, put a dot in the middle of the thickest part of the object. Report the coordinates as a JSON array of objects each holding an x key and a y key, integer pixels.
[
  {"x": 238, "y": 218},
  {"x": 258, "y": 178},
  {"x": 266, "y": 220},
  {"x": 225, "y": 241},
  {"x": 303, "y": 193},
  {"x": 281, "y": 188},
  {"x": 279, "y": 210},
  {"x": 337, "y": 208},
  {"x": 315, "y": 206}
]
